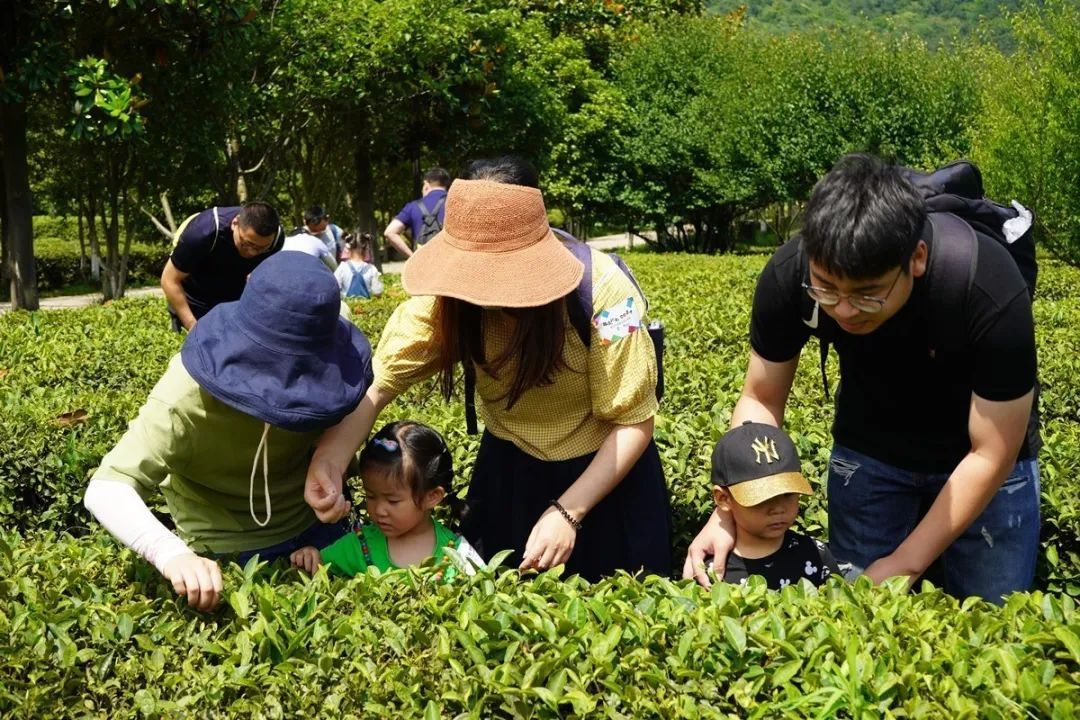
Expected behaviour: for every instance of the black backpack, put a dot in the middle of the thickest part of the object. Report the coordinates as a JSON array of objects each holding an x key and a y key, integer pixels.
[
  {"x": 957, "y": 209},
  {"x": 579, "y": 307},
  {"x": 430, "y": 226}
]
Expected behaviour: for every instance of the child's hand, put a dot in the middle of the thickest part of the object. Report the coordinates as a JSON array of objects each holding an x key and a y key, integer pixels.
[{"x": 306, "y": 558}]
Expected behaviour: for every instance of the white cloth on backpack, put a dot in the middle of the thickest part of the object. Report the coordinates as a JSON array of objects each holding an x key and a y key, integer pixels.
[{"x": 1014, "y": 229}]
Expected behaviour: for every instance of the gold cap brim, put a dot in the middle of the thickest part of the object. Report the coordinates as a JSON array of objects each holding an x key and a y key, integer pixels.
[{"x": 755, "y": 492}]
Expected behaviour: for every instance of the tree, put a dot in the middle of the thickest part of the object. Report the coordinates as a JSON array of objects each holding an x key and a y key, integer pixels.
[
  {"x": 727, "y": 120},
  {"x": 103, "y": 59},
  {"x": 1027, "y": 133}
]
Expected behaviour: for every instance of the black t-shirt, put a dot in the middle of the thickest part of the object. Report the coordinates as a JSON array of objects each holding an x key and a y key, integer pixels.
[
  {"x": 897, "y": 401},
  {"x": 798, "y": 557},
  {"x": 217, "y": 271}
]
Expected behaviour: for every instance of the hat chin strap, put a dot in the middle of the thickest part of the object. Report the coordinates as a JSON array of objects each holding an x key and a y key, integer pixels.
[{"x": 264, "y": 450}]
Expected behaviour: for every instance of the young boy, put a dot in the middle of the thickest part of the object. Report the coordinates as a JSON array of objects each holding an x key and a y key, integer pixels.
[{"x": 757, "y": 478}]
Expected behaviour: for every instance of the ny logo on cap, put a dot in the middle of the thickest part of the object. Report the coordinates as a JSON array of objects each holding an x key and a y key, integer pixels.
[{"x": 764, "y": 447}]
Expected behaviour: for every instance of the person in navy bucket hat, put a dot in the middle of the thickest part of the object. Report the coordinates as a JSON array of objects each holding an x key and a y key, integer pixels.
[
  {"x": 282, "y": 353},
  {"x": 242, "y": 405}
]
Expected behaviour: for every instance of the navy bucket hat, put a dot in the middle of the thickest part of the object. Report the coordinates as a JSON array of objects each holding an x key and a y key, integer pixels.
[{"x": 282, "y": 353}]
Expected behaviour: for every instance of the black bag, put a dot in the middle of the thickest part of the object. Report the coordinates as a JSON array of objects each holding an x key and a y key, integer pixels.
[{"x": 958, "y": 209}]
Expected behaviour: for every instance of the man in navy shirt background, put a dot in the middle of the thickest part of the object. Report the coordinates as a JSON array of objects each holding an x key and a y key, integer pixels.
[
  {"x": 422, "y": 217},
  {"x": 215, "y": 252}
]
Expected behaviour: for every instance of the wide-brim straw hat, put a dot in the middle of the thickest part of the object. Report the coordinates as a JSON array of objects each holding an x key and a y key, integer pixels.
[
  {"x": 282, "y": 353},
  {"x": 496, "y": 249}
]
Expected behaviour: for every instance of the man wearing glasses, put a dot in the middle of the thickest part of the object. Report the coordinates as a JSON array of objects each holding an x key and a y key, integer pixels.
[
  {"x": 214, "y": 253},
  {"x": 932, "y": 454}
]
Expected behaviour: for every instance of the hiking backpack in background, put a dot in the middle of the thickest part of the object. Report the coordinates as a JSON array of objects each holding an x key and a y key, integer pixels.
[
  {"x": 957, "y": 209},
  {"x": 579, "y": 306},
  {"x": 430, "y": 225}
]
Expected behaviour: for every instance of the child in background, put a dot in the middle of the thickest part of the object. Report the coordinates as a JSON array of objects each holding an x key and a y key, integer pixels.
[
  {"x": 407, "y": 470},
  {"x": 758, "y": 479},
  {"x": 356, "y": 276}
]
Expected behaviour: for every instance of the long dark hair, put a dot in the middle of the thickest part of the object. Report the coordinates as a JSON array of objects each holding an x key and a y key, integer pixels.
[
  {"x": 536, "y": 346},
  {"x": 416, "y": 456},
  {"x": 535, "y": 349}
]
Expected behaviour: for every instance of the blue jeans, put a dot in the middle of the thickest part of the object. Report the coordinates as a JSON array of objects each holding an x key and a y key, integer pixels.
[
  {"x": 874, "y": 506},
  {"x": 320, "y": 535}
]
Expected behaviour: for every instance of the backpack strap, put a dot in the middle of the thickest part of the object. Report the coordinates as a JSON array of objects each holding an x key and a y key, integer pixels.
[
  {"x": 954, "y": 253},
  {"x": 580, "y": 304},
  {"x": 217, "y": 229},
  {"x": 433, "y": 212},
  {"x": 810, "y": 314},
  {"x": 470, "y": 398}
]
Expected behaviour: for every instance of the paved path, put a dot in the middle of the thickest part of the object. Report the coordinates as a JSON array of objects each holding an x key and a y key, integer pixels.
[{"x": 66, "y": 302}]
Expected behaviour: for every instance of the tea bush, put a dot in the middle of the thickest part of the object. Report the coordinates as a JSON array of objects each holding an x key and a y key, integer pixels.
[
  {"x": 89, "y": 631},
  {"x": 70, "y": 381}
]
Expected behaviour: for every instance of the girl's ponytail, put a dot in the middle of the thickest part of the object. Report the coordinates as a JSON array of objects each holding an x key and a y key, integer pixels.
[{"x": 459, "y": 509}]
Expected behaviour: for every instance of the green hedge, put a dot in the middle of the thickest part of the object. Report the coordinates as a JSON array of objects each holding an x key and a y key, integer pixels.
[
  {"x": 104, "y": 360},
  {"x": 56, "y": 252},
  {"x": 58, "y": 263},
  {"x": 88, "y": 631}
]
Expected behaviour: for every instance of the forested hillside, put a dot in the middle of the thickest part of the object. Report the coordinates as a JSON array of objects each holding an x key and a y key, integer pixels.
[{"x": 936, "y": 21}]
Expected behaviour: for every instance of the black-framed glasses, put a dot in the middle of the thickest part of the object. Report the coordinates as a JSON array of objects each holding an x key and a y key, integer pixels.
[
  {"x": 251, "y": 247},
  {"x": 862, "y": 303}
]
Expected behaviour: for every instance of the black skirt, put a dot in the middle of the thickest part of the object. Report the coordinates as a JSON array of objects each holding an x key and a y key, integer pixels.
[{"x": 630, "y": 529}]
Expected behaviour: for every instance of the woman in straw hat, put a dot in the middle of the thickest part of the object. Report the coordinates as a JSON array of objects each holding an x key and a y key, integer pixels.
[{"x": 567, "y": 470}]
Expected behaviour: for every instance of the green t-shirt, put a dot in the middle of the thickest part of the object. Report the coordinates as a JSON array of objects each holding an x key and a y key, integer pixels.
[
  {"x": 199, "y": 452},
  {"x": 365, "y": 548}
]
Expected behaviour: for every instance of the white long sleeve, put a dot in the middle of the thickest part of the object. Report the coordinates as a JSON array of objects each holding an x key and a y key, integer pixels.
[{"x": 124, "y": 514}]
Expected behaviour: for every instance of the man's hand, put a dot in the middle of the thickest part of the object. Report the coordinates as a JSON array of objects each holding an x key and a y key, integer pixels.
[
  {"x": 890, "y": 566},
  {"x": 322, "y": 491},
  {"x": 306, "y": 558},
  {"x": 714, "y": 539},
  {"x": 550, "y": 542},
  {"x": 196, "y": 577}
]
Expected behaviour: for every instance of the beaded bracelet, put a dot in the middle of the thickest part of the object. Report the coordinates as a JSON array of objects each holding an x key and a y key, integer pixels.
[{"x": 574, "y": 523}]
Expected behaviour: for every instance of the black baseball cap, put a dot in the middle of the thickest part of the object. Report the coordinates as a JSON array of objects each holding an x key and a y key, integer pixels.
[{"x": 756, "y": 462}]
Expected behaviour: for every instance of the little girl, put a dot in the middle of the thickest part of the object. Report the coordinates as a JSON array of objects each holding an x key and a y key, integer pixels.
[
  {"x": 406, "y": 470},
  {"x": 356, "y": 276}
]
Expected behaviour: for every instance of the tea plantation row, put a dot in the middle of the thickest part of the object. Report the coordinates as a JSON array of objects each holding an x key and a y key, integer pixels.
[
  {"x": 88, "y": 630},
  {"x": 69, "y": 383}
]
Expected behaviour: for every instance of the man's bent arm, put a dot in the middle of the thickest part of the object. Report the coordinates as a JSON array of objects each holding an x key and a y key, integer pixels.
[
  {"x": 997, "y": 432},
  {"x": 765, "y": 391},
  {"x": 172, "y": 284},
  {"x": 393, "y": 236}
]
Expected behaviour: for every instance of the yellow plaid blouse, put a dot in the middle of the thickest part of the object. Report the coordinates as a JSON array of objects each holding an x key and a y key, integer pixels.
[{"x": 603, "y": 386}]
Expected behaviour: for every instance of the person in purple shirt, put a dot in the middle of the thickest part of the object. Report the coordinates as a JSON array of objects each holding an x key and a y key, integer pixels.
[{"x": 422, "y": 217}]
